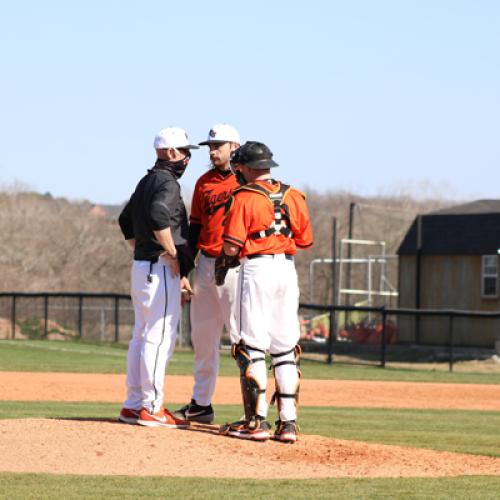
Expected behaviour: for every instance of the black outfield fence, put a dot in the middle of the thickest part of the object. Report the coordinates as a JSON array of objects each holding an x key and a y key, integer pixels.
[
  {"x": 340, "y": 334},
  {"x": 379, "y": 335}
]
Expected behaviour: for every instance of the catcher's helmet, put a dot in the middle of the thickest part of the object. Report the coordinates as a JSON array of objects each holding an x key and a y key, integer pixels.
[{"x": 254, "y": 155}]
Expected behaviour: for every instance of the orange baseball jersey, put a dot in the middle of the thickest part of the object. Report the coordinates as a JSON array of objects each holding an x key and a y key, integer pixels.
[
  {"x": 211, "y": 193},
  {"x": 252, "y": 213}
]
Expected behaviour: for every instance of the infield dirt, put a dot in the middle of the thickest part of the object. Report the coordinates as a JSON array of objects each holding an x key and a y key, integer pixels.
[{"x": 25, "y": 386}]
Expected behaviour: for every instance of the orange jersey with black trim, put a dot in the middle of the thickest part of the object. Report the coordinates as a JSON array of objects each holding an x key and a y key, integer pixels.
[
  {"x": 211, "y": 193},
  {"x": 252, "y": 212}
]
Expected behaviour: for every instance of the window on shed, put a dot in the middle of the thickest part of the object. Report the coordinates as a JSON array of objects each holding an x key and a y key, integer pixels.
[{"x": 489, "y": 276}]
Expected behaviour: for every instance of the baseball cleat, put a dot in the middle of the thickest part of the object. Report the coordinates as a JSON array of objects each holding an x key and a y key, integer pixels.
[
  {"x": 173, "y": 422},
  {"x": 129, "y": 416},
  {"x": 163, "y": 418},
  {"x": 255, "y": 429},
  {"x": 195, "y": 413},
  {"x": 286, "y": 432}
]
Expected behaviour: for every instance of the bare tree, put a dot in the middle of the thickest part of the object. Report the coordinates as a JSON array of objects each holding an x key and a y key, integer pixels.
[{"x": 56, "y": 245}]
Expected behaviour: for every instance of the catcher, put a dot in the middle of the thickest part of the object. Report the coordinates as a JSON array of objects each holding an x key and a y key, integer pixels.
[{"x": 266, "y": 223}]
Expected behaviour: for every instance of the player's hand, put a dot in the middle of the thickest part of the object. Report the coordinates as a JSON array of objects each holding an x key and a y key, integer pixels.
[
  {"x": 186, "y": 291},
  {"x": 222, "y": 265},
  {"x": 173, "y": 264}
]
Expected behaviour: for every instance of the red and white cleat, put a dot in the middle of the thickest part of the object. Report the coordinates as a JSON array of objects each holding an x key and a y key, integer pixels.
[
  {"x": 162, "y": 418},
  {"x": 129, "y": 416}
]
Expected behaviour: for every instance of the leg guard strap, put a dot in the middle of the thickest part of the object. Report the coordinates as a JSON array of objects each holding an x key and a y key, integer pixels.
[
  {"x": 277, "y": 355},
  {"x": 294, "y": 363},
  {"x": 282, "y": 395}
]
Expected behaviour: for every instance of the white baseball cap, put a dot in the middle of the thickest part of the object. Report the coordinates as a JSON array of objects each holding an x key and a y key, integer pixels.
[
  {"x": 173, "y": 137},
  {"x": 222, "y": 132}
]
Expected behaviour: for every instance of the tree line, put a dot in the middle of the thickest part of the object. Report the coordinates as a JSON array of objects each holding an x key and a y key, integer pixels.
[{"x": 53, "y": 244}]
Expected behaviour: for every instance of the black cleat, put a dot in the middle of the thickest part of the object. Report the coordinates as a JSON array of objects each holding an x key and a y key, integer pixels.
[
  {"x": 286, "y": 432},
  {"x": 195, "y": 413}
]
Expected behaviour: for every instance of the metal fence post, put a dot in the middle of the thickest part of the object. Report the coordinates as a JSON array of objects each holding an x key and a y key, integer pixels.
[
  {"x": 80, "y": 315},
  {"x": 13, "y": 317},
  {"x": 331, "y": 337},
  {"x": 46, "y": 315},
  {"x": 451, "y": 317},
  {"x": 383, "y": 338},
  {"x": 117, "y": 319}
]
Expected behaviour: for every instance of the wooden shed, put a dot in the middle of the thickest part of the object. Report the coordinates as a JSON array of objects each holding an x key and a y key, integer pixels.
[{"x": 449, "y": 259}]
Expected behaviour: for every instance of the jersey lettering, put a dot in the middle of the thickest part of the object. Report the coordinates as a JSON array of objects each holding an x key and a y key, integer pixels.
[{"x": 213, "y": 202}]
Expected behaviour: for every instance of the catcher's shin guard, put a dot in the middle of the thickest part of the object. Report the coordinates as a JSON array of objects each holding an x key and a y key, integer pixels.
[
  {"x": 253, "y": 379},
  {"x": 287, "y": 381}
]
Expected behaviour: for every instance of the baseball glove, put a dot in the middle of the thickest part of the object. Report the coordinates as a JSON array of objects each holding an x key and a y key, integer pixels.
[{"x": 222, "y": 265}]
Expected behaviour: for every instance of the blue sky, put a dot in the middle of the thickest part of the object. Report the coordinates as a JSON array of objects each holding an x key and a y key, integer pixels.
[{"x": 375, "y": 97}]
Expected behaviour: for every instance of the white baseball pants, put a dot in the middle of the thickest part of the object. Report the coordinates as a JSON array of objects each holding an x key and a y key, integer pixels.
[
  {"x": 211, "y": 310},
  {"x": 267, "y": 319},
  {"x": 157, "y": 307}
]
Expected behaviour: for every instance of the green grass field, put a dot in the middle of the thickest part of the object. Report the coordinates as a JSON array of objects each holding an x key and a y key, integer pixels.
[
  {"x": 474, "y": 432},
  {"x": 36, "y": 486},
  {"x": 84, "y": 357}
]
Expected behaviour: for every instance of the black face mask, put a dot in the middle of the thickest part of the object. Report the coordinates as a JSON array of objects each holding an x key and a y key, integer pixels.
[{"x": 177, "y": 168}]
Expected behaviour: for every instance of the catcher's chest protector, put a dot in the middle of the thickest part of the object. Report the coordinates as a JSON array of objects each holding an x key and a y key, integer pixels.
[{"x": 281, "y": 222}]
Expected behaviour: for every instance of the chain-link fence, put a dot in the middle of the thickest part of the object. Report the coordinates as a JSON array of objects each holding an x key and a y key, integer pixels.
[
  {"x": 97, "y": 317},
  {"x": 102, "y": 317}
]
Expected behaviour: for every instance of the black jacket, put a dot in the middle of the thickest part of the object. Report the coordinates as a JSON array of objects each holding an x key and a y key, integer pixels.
[{"x": 157, "y": 204}]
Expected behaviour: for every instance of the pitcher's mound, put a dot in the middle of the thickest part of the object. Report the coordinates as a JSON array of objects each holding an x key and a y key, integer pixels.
[{"x": 108, "y": 448}]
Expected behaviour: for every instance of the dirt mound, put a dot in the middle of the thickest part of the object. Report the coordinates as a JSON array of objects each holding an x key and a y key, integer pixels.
[{"x": 110, "y": 448}]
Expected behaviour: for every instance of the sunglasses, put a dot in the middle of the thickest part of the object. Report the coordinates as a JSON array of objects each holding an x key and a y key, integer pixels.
[{"x": 185, "y": 152}]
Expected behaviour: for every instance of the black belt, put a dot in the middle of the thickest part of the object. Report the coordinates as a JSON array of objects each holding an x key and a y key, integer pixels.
[
  {"x": 268, "y": 256},
  {"x": 153, "y": 260},
  {"x": 206, "y": 254}
]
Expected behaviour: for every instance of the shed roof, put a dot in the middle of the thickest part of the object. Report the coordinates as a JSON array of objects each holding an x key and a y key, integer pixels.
[
  {"x": 469, "y": 229},
  {"x": 474, "y": 207}
]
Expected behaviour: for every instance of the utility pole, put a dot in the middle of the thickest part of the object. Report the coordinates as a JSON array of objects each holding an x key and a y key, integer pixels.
[
  {"x": 349, "y": 249},
  {"x": 332, "y": 332}
]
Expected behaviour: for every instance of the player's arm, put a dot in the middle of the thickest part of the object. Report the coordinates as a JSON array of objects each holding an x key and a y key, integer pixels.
[
  {"x": 232, "y": 245},
  {"x": 126, "y": 226},
  {"x": 235, "y": 225},
  {"x": 164, "y": 237},
  {"x": 159, "y": 215},
  {"x": 302, "y": 227},
  {"x": 193, "y": 238},
  {"x": 195, "y": 222}
]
